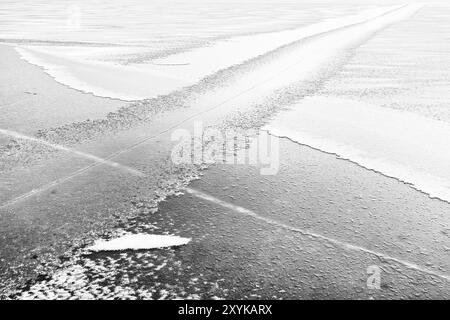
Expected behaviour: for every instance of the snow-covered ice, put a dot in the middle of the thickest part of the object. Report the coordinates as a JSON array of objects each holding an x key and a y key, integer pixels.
[{"x": 88, "y": 69}]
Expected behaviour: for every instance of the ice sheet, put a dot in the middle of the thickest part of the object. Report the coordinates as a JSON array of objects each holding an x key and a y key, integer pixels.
[{"x": 399, "y": 144}]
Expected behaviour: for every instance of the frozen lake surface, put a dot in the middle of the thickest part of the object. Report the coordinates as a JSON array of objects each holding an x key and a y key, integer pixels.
[{"x": 91, "y": 91}]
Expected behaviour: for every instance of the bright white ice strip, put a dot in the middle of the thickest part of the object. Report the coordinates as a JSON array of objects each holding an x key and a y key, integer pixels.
[
  {"x": 103, "y": 79},
  {"x": 81, "y": 68},
  {"x": 85, "y": 155},
  {"x": 138, "y": 242},
  {"x": 399, "y": 144}
]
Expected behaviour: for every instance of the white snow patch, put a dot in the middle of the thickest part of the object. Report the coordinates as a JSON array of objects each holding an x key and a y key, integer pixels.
[
  {"x": 138, "y": 242},
  {"x": 399, "y": 144}
]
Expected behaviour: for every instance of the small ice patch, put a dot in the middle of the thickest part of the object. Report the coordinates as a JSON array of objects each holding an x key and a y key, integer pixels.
[{"x": 138, "y": 242}]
